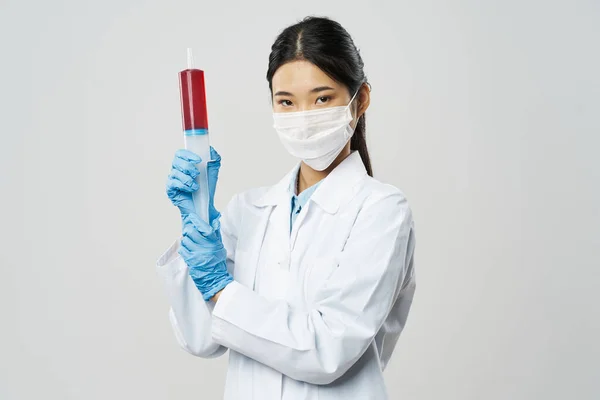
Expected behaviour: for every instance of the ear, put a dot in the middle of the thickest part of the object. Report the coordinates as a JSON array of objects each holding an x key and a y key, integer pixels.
[{"x": 364, "y": 98}]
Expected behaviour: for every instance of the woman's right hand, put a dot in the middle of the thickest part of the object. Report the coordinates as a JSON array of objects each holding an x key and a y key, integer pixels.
[{"x": 181, "y": 182}]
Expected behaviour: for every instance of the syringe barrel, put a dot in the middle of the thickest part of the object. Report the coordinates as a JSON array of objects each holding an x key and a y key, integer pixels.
[{"x": 195, "y": 129}]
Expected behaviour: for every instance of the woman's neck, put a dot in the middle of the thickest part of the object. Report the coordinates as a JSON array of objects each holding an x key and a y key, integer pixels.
[{"x": 308, "y": 176}]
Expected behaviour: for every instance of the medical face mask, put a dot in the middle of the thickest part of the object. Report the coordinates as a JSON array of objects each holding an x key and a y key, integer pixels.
[{"x": 316, "y": 137}]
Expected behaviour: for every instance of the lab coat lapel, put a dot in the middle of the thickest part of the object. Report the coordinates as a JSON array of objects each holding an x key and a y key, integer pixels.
[
  {"x": 255, "y": 224},
  {"x": 340, "y": 185},
  {"x": 336, "y": 189}
]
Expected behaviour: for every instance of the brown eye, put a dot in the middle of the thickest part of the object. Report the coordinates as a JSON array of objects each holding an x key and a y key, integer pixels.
[
  {"x": 323, "y": 99},
  {"x": 285, "y": 103}
]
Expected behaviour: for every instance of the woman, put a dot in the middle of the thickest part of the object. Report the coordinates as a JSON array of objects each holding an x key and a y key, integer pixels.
[{"x": 308, "y": 283}]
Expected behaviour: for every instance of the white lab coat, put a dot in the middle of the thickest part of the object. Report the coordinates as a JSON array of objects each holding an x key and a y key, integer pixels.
[{"x": 314, "y": 314}]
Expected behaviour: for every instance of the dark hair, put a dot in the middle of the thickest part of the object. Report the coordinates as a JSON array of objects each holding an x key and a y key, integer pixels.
[{"x": 326, "y": 44}]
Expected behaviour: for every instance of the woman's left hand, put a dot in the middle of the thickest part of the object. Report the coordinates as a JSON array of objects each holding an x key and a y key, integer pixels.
[{"x": 204, "y": 253}]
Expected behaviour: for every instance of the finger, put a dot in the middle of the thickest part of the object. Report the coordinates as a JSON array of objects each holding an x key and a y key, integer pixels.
[
  {"x": 194, "y": 222},
  {"x": 188, "y": 155},
  {"x": 185, "y": 243},
  {"x": 175, "y": 185},
  {"x": 216, "y": 223},
  {"x": 184, "y": 250},
  {"x": 215, "y": 157},
  {"x": 185, "y": 166},
  {"x": 190, "y": 232},
  {"x": 183, "y": 178},
  {"x": 192, "y": 249}
]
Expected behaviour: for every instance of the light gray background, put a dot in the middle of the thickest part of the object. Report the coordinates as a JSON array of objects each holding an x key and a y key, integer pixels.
[{"x": 486, "y": 114}]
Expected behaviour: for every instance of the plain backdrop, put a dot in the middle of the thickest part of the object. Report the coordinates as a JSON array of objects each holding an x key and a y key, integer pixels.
[{"x": 486, "y": 114}]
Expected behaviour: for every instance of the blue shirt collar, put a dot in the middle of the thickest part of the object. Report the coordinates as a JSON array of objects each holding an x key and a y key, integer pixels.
[{"x": 303, "y": 197}]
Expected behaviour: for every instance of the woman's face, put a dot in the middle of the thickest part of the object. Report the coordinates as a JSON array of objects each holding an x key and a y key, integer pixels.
[{"x": 302, "y": 86}]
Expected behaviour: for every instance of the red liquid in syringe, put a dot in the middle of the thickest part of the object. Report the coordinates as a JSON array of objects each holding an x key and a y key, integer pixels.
[
  {"x": 195, "y": 129},
  {"x": 193, "y": 102}
]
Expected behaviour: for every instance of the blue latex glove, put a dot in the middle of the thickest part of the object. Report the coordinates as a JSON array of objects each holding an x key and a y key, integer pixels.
[
  {"x": 204, "y": 253},
  {"x": 181, "y": 181}
]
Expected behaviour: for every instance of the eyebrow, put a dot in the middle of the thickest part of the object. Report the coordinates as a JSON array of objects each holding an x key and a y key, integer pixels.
[
  {"x": 321, "y": 89},
  {"x": 315, "y": 90}
]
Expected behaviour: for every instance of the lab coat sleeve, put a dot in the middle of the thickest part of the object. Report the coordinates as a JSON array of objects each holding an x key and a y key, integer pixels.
[
  {"x": 189, "y": 314},
  {"x": 321, "y": 344}
]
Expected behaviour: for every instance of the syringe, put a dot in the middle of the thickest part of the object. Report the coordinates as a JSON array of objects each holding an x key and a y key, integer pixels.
[{"x": 195, "y": 128}]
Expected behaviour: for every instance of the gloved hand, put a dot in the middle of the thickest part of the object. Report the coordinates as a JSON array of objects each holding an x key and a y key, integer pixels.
[
  {"x": 181, "y": 182},
  {"x": 204, "y": 253}
]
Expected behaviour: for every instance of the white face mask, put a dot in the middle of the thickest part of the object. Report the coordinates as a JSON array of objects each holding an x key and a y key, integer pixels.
[{"x": 316, "y": 137}]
